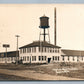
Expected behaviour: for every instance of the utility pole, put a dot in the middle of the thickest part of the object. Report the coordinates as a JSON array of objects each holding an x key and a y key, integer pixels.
[
  {"x": 6, "y": 46},
  {"x": 17, "y": 55},
  {"x": 55, "y": 27}
]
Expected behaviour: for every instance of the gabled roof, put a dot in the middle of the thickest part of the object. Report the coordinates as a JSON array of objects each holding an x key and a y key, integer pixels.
[
  {"x": 38, "y": 44},
  {"x": 72, "y": 52}
]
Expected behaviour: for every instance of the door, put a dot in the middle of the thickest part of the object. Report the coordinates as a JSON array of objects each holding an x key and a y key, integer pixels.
[{"x": 49, "y": 59}]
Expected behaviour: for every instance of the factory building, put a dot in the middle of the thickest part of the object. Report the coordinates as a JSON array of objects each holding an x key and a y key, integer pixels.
[
  {"x": 40, "y": 52},
  {"x": 47, "y": 53},
  {"x": 11, "y": 57},
  {"x": 72, "y": 56},
  {"x": 43, "y": 51}
]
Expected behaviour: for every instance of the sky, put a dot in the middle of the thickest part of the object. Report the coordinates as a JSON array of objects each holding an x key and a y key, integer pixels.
[{"x": 23, "y": 19}]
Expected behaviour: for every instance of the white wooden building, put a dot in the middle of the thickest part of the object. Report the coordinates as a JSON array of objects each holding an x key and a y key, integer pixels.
[
  {"x": 10, "y": 58},
  {"x": 40, "y": 52},
  {"x": 72, "y": 56}
]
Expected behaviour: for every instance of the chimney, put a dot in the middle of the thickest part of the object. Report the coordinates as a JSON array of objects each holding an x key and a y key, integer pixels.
[{"x": 54, "y": 26}]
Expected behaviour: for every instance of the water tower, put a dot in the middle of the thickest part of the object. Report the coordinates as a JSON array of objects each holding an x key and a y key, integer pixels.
[{"x": 44, "y": 25}]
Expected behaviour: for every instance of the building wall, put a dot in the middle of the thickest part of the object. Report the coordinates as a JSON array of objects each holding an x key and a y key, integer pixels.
[
  {"x": 7, "y": 60},
  {"x": 73, "y": 58},
  {"x": 48, "y": 52}
]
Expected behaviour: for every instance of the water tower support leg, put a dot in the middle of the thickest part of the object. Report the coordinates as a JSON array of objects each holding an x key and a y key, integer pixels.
[{"x": 44, "y": 34}]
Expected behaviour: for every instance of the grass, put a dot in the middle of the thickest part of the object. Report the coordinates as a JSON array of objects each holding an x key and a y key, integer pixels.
[
  {"x": 5, "y": 77},
  {"x": 45, "y": 69}
]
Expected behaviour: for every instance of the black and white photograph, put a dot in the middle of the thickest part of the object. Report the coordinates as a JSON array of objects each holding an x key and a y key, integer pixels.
[{"x": 41, "y": 42}]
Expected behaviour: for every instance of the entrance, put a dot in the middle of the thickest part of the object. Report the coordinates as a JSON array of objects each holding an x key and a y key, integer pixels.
[{"x": 49, "y": 59}]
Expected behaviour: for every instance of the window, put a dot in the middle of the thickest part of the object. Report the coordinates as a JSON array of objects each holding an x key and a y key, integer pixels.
[
  {"x": 27, "y": 58},
  {"x": 53, "y": 49},
  {"x": 78, "y": 58},
  {"x": 45, "y": 49},
  {"x": 42, "y": 57},
  {"x": 53, "y": 57},
  {"x": 39, "y": 58},
  {"x": 27, "y": 50},
  {"x": 73, "y": 58},
  {"x": 82, "y": 58},
  {"x": 45, "y": 57},
  {"x": 20, "y": 50},
  {"x": 33, "y": 58},
  {"x": 34, "y": 49},
  {"x": 11, "y": 58},
  {"x": 50, "y": 50},
  {"x": 68, "y": 58},
  {"x": 42, "y": 49},
  {"x": 58, "y": 58},
  {"x": 23, "y": 58},
  {"x": 24, "y": 50},
  {"x": 63, "y": 58},
  {"x": 58, "y": 50},
  {"x": 39, "y": 48}
]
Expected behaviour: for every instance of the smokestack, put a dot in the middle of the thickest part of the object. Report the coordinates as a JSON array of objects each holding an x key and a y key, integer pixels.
[{"x": 55, "y": 26}]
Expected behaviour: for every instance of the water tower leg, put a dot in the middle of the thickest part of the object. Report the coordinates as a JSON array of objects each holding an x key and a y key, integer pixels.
[{"x": 44, "y": 34}]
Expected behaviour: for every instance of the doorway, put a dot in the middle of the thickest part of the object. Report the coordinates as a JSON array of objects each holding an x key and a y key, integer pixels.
[{"x": 49, "y": 59}]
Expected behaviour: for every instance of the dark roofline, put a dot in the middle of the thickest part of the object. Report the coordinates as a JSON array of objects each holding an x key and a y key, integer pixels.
[
  {"x": 9, "y": 54},
  {"x": 37, "y": 44},
  {"x": 68, "y": 52},
  {"x": 8, "y": 51},
  {"x": 72, "y": 50}
]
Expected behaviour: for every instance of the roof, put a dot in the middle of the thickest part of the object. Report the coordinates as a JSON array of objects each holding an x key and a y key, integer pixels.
[
  {"x": 9, "y": 54},
  {"x": 72, "y": 52},
  {"x": 38, "y": 44},
  {"x": 44, "y": 16}
]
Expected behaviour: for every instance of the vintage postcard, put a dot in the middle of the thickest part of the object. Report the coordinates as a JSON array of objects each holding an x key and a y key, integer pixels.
[{"x": 41, "y": 42}]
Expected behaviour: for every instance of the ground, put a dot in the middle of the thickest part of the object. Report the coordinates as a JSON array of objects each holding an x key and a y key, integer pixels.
[{"x": 42, "y": 71}]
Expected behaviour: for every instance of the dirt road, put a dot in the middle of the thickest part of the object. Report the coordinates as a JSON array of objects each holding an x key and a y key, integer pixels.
[{"x": 35, "y": 75}]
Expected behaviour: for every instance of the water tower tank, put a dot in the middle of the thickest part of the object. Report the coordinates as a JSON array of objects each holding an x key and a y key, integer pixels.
[{"x": 44, "y": 22}]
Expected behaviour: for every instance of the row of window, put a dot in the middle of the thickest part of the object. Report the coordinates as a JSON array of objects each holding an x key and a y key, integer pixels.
[
  {"x": 27, "y": 50},
  {"x": 73, "y": 58},
  {"x": 27, "y": 58},
  {"x": 33, "y": 58},
  {"x": 43, "y": 58},
  {"x": 41, "y": 49},
  {"x": 50, "y": 50},
  {"x": 8, "y": 59},
  {"x": 56, "y": 58}
]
